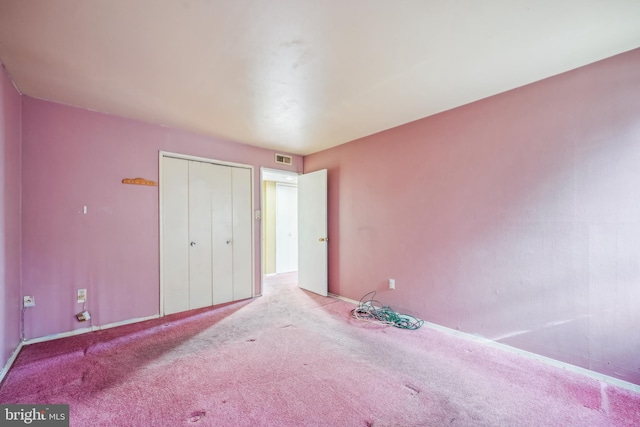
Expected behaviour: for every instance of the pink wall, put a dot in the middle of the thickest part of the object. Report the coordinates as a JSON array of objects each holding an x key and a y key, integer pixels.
[
  {"x": 516, "y": 218},
  {"x": 10, "y": 117},
  {"x": 73, "y": 158}
]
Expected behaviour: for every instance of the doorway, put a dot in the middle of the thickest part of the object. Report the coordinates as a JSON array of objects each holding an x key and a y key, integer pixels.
[{"x": 279, "y": 221}]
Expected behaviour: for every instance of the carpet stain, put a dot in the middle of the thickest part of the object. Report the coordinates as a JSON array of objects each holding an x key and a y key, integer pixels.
[
  {"x": 414, "y": 390},
  {"x": 251, "y": 340},
  {"x": 196, "y": 416}
]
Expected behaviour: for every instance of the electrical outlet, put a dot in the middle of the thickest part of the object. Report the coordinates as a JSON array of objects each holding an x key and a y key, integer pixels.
[
  {"x": 392, "y": 283},
  {"x": 82, "y": 296},
  {"x": 29, "y": 301},
  {"x": 83, "y": 316}
]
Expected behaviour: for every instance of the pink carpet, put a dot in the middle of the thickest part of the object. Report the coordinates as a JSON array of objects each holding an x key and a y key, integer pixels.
[{"x": 292, "y": 358}]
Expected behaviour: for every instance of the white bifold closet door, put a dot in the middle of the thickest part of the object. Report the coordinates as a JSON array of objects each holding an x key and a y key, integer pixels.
[{"x": 206, "y": 234}]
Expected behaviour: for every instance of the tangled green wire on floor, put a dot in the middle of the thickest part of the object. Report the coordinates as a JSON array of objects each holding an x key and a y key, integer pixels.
[{"x": 373, "y": 311}]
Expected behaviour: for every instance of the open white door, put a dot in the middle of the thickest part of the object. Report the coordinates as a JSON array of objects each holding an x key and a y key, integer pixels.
[{"x": 312, "y": 232}]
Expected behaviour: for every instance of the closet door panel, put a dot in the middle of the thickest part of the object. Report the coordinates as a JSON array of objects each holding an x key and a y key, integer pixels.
[
  {"x": 200, "y": 228},
  {"x": 175, "y": 227},
  {"x": 222, "y": 234},
  {"x": 242, "y": 271}
]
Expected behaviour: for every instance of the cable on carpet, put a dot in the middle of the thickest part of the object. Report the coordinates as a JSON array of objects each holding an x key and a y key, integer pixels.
[{"x": 372, "y": 310}]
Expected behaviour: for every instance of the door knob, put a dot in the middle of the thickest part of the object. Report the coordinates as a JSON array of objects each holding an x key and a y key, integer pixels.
[
  {"x": 192, "y": 243},
  {"x": 323, "y": 239}
]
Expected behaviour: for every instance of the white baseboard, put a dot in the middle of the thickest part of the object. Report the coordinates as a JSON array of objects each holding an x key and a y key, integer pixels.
[
  {"x": 58, "y": 336},
  {"x": 128, "y": 322},
  {"x": 12, "y": 359},
  {"x": 547, "y": 360},
  {"x": 90, "y": 329},
  {"x": 349, "y": 300}
]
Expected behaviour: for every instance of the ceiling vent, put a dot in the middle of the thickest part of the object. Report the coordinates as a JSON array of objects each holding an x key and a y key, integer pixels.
[{"x": 283, "y": 159}]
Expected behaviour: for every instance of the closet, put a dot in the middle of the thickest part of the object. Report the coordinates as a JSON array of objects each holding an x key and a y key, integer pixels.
[{"x": 206, "y": 233}]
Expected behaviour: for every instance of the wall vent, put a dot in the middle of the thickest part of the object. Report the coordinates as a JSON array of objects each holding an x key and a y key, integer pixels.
[{"x": 283, "y": 159}]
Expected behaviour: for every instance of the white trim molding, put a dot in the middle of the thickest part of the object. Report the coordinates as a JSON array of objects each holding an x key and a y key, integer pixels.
[
  {"x": 86, "y": 330},
  {"x": 12, "y": 359},
  {"x": 543, "y": 359}
]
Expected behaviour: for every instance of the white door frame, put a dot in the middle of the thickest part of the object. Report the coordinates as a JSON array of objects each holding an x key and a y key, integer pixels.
[
  {"x": 264, "y": 169},
  {"x": 161, "y": 155}
]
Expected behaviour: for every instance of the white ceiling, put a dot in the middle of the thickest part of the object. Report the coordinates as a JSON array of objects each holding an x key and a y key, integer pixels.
[{"x": 299, "y": 75}]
